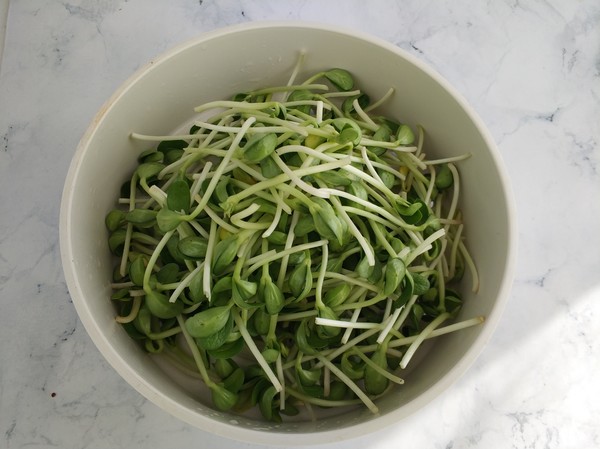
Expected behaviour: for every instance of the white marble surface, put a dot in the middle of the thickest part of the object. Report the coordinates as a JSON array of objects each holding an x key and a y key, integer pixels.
[{"x": 530, "y": 68}]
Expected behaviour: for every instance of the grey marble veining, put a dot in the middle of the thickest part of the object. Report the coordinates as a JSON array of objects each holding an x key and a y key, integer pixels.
[{"x": 530, "y": 68}]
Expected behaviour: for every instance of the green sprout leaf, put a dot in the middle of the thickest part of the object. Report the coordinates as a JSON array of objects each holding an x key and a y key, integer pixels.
[
  {"x": 340, "y": 78},
  {"x": 159, "y": 305},
  {"x": 208, "y": 322},
  {"x": 178, "y": 196},
  {"x": 259, "y": 147}
]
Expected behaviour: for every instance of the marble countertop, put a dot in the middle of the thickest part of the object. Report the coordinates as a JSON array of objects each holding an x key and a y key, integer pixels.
[{"x": 532, "y": 71}]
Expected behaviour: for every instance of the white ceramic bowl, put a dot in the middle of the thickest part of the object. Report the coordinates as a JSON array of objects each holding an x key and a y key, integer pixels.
[{"x": 161, "y": 96}]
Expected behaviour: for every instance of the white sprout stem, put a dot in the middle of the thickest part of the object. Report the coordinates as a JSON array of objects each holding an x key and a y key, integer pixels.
[
  {"x": 448, "y": 160},
  {"x": 432, "y": 267},
  {"x": 328, "y": 158},
  {"x": 296, "y": 315},
  {"x": 367, "y": 162},
  {"x": 135, "y": 308},
  {"x": 235, "y": 105},
  {"x": 279, "y": 198},
  {"x": 195, "y": 352},
  {"x": 129, "y": 231},
  {"x": 270, "y": 257},
  {"x": 326, "y": 382},
  {"x": 369, "y": 205},
  {"x": 351, "y": 280},
  {"x": 321, "y": 276},
  {"x": 158, "y": 195},
  {"x": 256, "y": 353},
  {"x": 385, "y": 167},
  {"x": 206, "y": 274},
  {"x": 441, "y": 287},
  {"x": 262, "y": 256},
  {"x": 346, "y": 324},
  {"x": 278, "y": 126},
  {"x": 301, "y": 118},
  {"x": 353, "y": 342},
  {"x": 199, "y": 229},
  {"x": 238, "y": 129},
  {"x": 365, "y": 303},
  {"x": 431, "y": 186},
  {"x": 174, "y": 166},
  {"x": 127, "y": 201},
  {"x": 358, "y": 293},
  {"x": 334, "y": 108},
  {"x": 247, "y": 246},
  {"x": 274, "y": 223},
  {"x": 438, "y": 204},
  {"x": 390, "y": 324},
  {"x": 219, "y": 171},
  {"x": 306, "y": 163},
  {"x": 418, "y": 162},
  {"x": 348, "y": 331},
  {"x": 279, "y": 180},
  {"x": 454, "y": 251},
  {"x": 126, "y": 245},
  {"x": 388, "y": 310},
  {"x": 319, "y": 112},
  {"x": 399, "y": 342},
  {"x": 297, "y": 67},
  {"x": 415, "y": 237},
  {"x": 362, "y": 241},
  {"x": 184, "y": 283},
  {"x": 252, "y": 172},
  {"x": 445, "y": 221},
  {"x": 270, "y": 90},
  {"x": 421, "y": 337},
  {"x": 149, "y": 138},
  {"x": 403, "y": 252},
  {"x": 388, "y": 145},
  {"x": 281, "y": 377},
  {"x": 300, "y": 129},
  {"x": 136, "y": 293},
  {"x": 297, "y": 180},
  {"x": 261, "y": 194},
  {"x": 365, "y": 118},
  {"x": 161, "y": 244},
  {"x": 215, "y": 217},
  {"x": 211, "y": 135},
  {"x": 405, "y": 311},
  {"x": 421, "y": 138},
  {"x": 338, "y": 94},
  {"x": 471, "y": 265},
  {"x": 350, "y": 383},
  {"x": 382, "y": 100},
  {"x": 307, "y": 405},
  {"x": 393, "y": 352},
  {"x": 198, "y": 181},
  {"x": 283, "y": 95},
  {"x": 383, "y": 372},
  {"x": 455, "y": 191},
  {"x": 192, "y": 308},
  {"x": 425, "y": 246},
  {"x": 288, "y": 244},
  {"x": 118, "y": 285},
  {"x": 382, "y": 239},
  {"x": 245, "y": 212},
  {"x": 308, "y": 400},
  {"x": 398, "y": 149}
]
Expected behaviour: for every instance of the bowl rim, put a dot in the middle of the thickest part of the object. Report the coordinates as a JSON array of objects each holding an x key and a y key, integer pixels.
[{"x": 253, "y": 435}]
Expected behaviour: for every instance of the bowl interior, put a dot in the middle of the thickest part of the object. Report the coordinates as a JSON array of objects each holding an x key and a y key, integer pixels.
[{"x": 161, "y": 97}]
